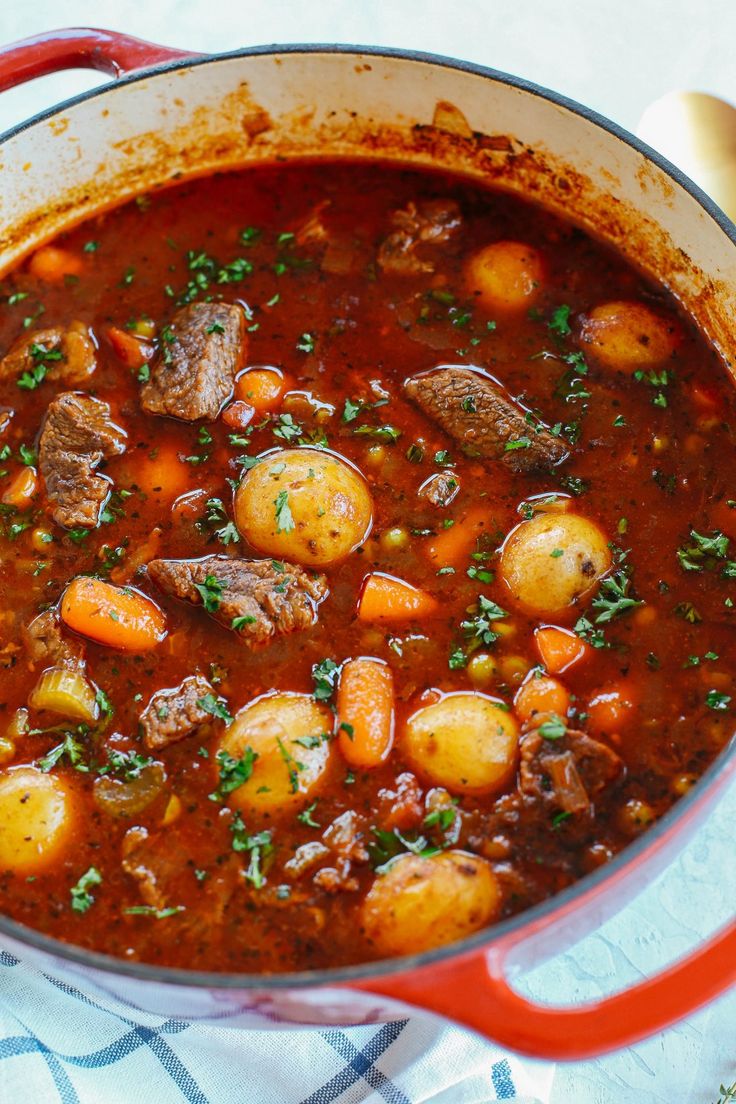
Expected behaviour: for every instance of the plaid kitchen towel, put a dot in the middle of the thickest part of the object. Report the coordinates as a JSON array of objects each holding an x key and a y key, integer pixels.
[{"x": 58, "y": 1044}]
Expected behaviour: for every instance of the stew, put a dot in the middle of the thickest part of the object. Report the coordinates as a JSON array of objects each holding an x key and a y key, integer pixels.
[{"x": 365, "y": 570}]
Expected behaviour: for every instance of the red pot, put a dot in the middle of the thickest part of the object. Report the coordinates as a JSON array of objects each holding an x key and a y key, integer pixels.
[{"x": 172, "y": 113}]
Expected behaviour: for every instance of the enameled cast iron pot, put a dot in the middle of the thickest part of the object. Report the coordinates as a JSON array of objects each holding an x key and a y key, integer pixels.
[{"x": 172, "y": 114}]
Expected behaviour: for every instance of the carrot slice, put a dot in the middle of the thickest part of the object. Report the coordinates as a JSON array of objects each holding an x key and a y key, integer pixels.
[
  {"x": 123, "y": 619},
  {"x": 365, "y": 712},
  {"x": 452, "y": 547},
  {"x": 386, "y": 598},
  {"x": 52, "y": 264},
  {"x": 129, "y": 349},
  {"x": 560, "y": 649},
  {"x": 539, "y": 696},
  {"x": 21, "y": 489},
  {"x": 262, "y": 388}
]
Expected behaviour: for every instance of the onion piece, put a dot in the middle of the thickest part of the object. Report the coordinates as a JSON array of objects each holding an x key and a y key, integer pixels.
[{"x": 124, "y": 799}]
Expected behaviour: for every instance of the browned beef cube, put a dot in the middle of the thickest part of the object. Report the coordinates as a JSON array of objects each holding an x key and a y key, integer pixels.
[
  {"x": 171, "y": 715},
  {"x": 201, "y": 351},
  {"x": 78, "y": 434},
  {"x": 487, "y": 423},
  {"x": 257, "y": 598}
]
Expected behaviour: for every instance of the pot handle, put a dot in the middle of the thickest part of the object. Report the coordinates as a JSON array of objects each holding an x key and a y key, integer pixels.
[
  {"x": 80, "y": 48},
  {"x": 476, "y": 993}
]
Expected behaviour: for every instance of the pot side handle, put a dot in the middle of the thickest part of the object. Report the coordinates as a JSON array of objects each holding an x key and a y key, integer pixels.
[
  {"x": 475, "y": 992},
  {"x": 80, "y": 48}
]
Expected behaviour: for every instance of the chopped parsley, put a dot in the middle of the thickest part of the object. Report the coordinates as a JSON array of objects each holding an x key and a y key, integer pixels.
[
  {"x": 553, "y": 729},
  {"x": 479, "y": 627},
  {"x": 216, "y": 707},
  {"x": 233, "y": 772},
  {"x": 284, "y": 517},
  {"x": 715, "y": 700},
  {"x": 82, "y": 899},
  {"x": 559, "y": 323},
  {"x": 154, "y": 913},
  {"x": 259, "y": 846},
  {"x": 210, "y": 591},
  {"x": 325, "y": 674},
  {"x": 613, "y": 597},
  {"x": 703, "y": 550}
]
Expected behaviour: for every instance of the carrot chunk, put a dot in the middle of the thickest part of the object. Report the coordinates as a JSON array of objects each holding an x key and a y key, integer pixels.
[
  {"x": 123, "y": 619},
  {"x": 452, "y": 547},
  {"x": 539, "y": 696},
  {"x": 386, "y": 598},
  {"x": 262, "y": 388},
  {"x": 365, "y": 712},
  {"x": 21, "y": 489},
  {"x": 610, "y": 710},
  {"x": 560, "y": 649},
  {"x": 129, "y": 349},
  {"x": 52, "y": 264}
]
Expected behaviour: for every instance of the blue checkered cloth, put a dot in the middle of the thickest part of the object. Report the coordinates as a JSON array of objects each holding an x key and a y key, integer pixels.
[{"x": 59, "y": 1044}]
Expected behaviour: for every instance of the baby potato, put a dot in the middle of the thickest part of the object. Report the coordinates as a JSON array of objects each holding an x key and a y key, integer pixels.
[
  {"x": 628, "y": 336},
  {"x": 35, "y": 819},
  {"x": 421, "y": 903},
  {"x": 291, "y": 735},
  {"x": 305, "y": 505},
  {"x": 505, "y": 276},
  {"x": 550, "y": 562},
  {"x": 466, "y": 742}
]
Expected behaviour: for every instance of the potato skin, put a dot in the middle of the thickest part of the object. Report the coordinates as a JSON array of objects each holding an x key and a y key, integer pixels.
[
  {"x": 329, "y": 501},
  {"x": 541, "y": 581},
  {"x": 466, "y": 742},
  {"x": 421, "y": 903},
  {"x": 627, "y": 336},
  {"x": 36, "y": 818},
  {"x": 505, "y": 276},
  {"x": 271, "y": 726}
]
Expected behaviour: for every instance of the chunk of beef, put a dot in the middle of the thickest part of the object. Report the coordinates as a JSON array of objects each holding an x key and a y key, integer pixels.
[
  {"x": 567, "y": 772},
  {"x": 487, "y": 423},
  {"x": 265, "y": 596},
  {"x": 440, "y": 489},
  {"x": 78, "y": 434},
  {"x": 162, "y": 868},
  {"x": 201, "y": 351},
  {"x": 171, "y": 715},
  {"x": 432, "y": 222},
  {"x": 48, "y": 647},
  {"x": 66, "y": 353}
]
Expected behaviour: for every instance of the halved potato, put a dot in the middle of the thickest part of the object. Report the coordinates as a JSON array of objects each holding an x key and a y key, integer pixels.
[
  {"x": 425, "y": 902},
  {"x": 36, "y": 819},
  {"x": 466, "y": 742},
  {"x": 291, "y": 735},
  {"x": 305, "y": 505}
]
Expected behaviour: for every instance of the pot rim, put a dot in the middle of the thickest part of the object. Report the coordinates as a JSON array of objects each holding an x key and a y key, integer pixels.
[{"x": 538, "y": 914}]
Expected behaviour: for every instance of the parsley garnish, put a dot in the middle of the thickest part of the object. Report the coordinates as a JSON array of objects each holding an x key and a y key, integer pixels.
[
  {"x": 715, "y": 700},
  {"x": 559, "y": 322},
  {"x": 325, "y": 675},
  {"x": 479, "y": 626},
  {"x": 259, "y": 845},
  {"x": 613, "y": 598},
  {"x": 216, "y": 707},
  {"x": 284, "y": 516},
  {"x": 155, "y": 913},
  {"x": 82, "y": 899},
  {"x": 210, "y": 591},
  {"x": 233, "y": 772}
]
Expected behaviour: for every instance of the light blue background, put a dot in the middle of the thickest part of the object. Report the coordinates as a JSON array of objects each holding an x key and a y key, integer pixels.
[{"x": 616, "y": 57}]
